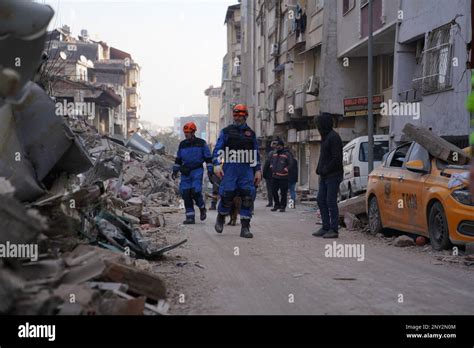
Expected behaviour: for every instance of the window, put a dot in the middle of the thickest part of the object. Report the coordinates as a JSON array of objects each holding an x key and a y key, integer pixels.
[
  {"x": 364, "y": 17},
  {"x": 347, "y": 5},
  {"x": 319, "y": 4},
  {"x": 387, "y": 71},
  {"x": 237, "y": 34},
  {"x": 398, "y": 158},
  {"x": 380, "y": 149},
  {"x": 418, "y": 152},
  {"x": 347, "y": 157},
  {"x": 437, "y": 60}
]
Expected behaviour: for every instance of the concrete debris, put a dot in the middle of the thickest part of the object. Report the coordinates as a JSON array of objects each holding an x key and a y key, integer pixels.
[
  {"x": 403, "y": 241},
  {"x": 352, "y": 222},
  {"x": 354, "y": 206},
  {"x": 87, "y": 204},
  {"x": 436, "y": 146}
]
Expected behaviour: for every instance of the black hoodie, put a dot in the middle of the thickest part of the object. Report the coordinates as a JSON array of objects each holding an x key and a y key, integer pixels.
[{"x": 330, "y": 157}]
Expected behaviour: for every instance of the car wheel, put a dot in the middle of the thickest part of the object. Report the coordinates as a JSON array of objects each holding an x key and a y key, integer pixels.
[
  {"x": 375, "y": 222},
  {"x": 438, "y": 228}
]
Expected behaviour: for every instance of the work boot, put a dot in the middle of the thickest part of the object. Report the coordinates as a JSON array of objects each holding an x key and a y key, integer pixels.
[
  {"x": 282, "y": 210},
  {"x": 331, "y": 234},
  {"x": 220, "y": 221},
  {"x": 321, "y": 232},
  {"x": 189, "y": 220},
  {"x": 213, "y": 206},
  {"x": 269, "y": 204},
  {"x": 275, "y": 209},
  {"x": 203, "y": 214},
  {"x": 245, "y": 229}
]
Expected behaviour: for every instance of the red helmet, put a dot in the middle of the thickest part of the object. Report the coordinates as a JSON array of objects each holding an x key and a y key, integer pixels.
[
  {"x": 189, "y": 127},
  {"x": 240, "y": 110}
]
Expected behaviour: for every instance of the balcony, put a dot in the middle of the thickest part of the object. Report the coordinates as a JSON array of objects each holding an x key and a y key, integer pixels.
[{"x": 280, "y": 112}]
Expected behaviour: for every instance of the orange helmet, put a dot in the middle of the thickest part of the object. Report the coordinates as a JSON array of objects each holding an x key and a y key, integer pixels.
[
  {"x": 240, "y": 110},
  {"x": 189, "y": 127}
]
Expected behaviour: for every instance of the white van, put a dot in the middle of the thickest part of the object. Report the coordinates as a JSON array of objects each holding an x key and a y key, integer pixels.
[{"x": 355, "y": 162}]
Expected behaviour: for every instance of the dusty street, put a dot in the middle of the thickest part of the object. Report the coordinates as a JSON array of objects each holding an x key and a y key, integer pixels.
[{"x": 283, "y": 270}]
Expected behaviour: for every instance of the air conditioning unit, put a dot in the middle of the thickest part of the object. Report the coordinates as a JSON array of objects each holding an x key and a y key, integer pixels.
[
  {"x": 274, "y": 50},
  {"x": 312, "y": 86}
]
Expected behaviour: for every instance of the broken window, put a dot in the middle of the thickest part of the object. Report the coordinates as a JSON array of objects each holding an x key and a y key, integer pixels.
[
  {"x": 437, "y": 56},
  {"x": 418, "y": 152},
  {"x": 398, "y": 158}
]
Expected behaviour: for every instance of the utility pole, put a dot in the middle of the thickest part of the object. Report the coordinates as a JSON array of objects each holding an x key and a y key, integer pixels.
[{"x": 370, "y": 116}]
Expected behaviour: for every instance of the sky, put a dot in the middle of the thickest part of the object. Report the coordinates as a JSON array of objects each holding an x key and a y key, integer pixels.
[{"x": 179, "y": 45}]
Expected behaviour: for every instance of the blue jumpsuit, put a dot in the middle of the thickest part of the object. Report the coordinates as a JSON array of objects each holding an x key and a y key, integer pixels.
[
  {"x": 192, "y": 153},
  {"x": 238, "y": 172}
]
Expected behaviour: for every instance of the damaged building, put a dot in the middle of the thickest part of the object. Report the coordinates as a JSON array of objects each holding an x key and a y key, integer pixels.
[{"x": 91, "y": 205}]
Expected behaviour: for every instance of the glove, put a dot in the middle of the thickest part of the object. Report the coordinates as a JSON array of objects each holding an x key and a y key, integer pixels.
[
  {"x": 218, "y": 171},
  {"x": 174, "y": 175}
]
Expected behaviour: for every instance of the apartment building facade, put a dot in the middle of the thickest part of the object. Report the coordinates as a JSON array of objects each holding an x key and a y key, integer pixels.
[
  {"x": 213, "y": 95},
  {"x": 432, "y": 67},
  {"x": 231, "y": 87},
  {"x": 301, "y": 58},
  {"x": 97, "y": 65}
]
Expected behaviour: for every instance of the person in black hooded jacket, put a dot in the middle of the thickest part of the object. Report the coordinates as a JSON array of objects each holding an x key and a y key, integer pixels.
[{"x": 330, "y": 171}]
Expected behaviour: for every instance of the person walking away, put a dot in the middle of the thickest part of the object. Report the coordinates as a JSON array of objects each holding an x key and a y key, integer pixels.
[
  {"x": 280, "y": 165},
  {"x": 267, "y": 174},
  {"x": 192, "y": 153},
  {"x": 292, "y": 180},
  {"x": 330, "y": 171}
]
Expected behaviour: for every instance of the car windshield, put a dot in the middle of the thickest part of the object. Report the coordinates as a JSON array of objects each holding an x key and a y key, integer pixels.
[{"x": 380, "y": 149}]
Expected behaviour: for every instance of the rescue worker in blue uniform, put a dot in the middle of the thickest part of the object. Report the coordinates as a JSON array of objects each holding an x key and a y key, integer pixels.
[
  {"x": 192, "y": 153},
  {"x": 239, "y": 177}
]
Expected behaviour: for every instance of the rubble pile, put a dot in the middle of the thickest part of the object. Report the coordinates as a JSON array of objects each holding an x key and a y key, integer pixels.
[
  {"x": 118, "y": 204},
  {"x": 80, "y": 213}
]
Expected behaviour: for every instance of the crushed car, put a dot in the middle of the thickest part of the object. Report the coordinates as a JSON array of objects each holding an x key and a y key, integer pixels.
[{"x": 416, "y": 192}]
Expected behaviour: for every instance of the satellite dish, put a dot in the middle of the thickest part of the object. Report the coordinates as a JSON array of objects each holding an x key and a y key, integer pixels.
[
  {"x": 83, "y": 59},
  {"x": 63, "y": 55}
]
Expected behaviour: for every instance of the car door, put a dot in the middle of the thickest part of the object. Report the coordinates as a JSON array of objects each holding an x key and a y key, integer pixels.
[
  {"x": 411, "y": 189},
  {"x": 393, "y": 188}
]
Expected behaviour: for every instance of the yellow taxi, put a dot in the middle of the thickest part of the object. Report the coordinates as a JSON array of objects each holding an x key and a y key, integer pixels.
[{"x": 414, "y": 192}]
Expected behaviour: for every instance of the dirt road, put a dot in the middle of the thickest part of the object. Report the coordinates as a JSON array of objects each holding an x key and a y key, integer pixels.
[{"x": 284, "y": 270}]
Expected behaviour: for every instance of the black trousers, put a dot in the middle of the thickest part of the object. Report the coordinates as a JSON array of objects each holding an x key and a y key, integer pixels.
[
  {"x": 282, "y": 186},
  {"x": 268, "y": 183}
]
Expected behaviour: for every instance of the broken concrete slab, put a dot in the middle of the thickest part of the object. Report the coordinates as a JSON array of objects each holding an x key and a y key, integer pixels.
[
  {"x": 122, "y": 306},
  {"x": 355, "y": 206},
  {"x": 436, "y": 146},
  {"x": 10, "y": 288},
  {"x": 14, "y": 164},
  {"x": 403, "y": 241},
  {"x": 47, "y": 139},
  {"x": 139, "y": 281},
  {"x": 16, "y": 225}
]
